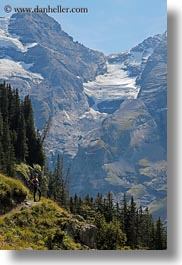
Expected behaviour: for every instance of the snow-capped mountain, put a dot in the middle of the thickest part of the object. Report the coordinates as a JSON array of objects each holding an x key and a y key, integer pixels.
[
  {"x": 107, "y": 113},
  {"x": 134, "y": 61},
  {"x": 37, "y": 57},
  {"x": 9, "y": 41}
]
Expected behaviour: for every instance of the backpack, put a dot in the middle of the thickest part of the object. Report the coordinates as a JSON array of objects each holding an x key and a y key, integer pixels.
[{"x": 36, "y": 183}]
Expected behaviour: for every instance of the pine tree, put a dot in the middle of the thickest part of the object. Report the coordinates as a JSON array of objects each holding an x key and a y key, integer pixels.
[
  {"x": 109, "y": 207},
  {"x": 110, "y": 235},
  {"x": 71, "y": 205},
  {"x": 8, "y": 150},
  {"x": 1, "y": 146},
  {"x": 59, "y": 184},
  {"x": 99, "y": 202},
  {"x": 4, "y": 101},
  {"x": 152, "y": 235},
  {"x": 66, "y": 182},
  {"x": 131, "y": 229},
  {"x": 18, "y": 109},
  {"x": 140, "y": 227},
  {"x": 21, "y": 148},
  {"x": 35, "y": 149},
  {"x": 18, "y": 139},
  {"x": 40, "y": 156},
  {"x": 13, "y": 112},
  {"x": 30, "y": 131},
  {"x": 76, "y": 203},
  {"x": 148, "y": 232},
  {"x": 159, "y": 236},
  {"x": 124, "y": 215}
]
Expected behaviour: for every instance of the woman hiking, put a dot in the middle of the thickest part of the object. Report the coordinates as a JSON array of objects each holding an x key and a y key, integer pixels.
[{"x": 35, "y": 182}]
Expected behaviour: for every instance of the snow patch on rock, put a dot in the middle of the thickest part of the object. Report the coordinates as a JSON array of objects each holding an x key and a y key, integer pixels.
[
  {"x": 11, "y": 41},
  {"x": 10, "y": 69}
]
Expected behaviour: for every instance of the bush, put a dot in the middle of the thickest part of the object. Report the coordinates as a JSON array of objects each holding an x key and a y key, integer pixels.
[{"x": 12, "y": 192}]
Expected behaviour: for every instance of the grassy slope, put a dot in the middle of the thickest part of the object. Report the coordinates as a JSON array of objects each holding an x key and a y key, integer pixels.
[
  {"x": 37, "y": 226},
  {"x": 12, "y": 192}
]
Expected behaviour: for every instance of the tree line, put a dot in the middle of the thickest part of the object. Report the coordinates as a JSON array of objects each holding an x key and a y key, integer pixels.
[
  {"x": 121, "y": 225},
  {"x": 19, "y": 140}
]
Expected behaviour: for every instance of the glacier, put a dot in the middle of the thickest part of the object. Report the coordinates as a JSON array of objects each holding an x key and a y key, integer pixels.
[{"x": 114, "y": 84}]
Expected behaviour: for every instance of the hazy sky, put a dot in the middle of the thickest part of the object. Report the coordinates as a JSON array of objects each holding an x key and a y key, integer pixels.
[{"x": 111, "y": 25}]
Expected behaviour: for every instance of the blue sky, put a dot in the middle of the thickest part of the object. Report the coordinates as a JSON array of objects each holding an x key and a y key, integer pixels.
[{"x": 110, "y": 26}]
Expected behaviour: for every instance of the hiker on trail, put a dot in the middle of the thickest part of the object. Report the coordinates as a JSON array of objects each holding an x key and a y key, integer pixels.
[{"x": 35, "y": 182}]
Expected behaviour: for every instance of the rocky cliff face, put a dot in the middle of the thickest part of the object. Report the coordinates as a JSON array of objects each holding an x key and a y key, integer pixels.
[
  {"x": 107, "y": 114},
  {"x": 127, "y": 153},
  {"x": 124, "y": 155},
  {"x": 41, "y": 59},
  {"x": 71, "y": 57},
  {"x": 153, "y": 92}
]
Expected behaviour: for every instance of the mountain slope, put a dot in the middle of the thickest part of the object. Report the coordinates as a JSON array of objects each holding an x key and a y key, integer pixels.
[
  {"x": 51, "y": 67},
  {"x": 37, "y": 227},
  {"x": 38, "y": 45},
  {"x": 53, "y": 38},
  {"x": 153, "y": 92},
  {"x": 107, "y": 114},
  {"x": 127, "y": 153},
  {"x": 28, "y": 225}
]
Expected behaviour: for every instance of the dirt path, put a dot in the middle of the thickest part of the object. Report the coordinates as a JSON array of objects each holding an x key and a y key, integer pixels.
[{"x": 24, "y": 205}]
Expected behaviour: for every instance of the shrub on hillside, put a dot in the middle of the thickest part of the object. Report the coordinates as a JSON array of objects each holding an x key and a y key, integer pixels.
[{"x": 12, "y": 192}]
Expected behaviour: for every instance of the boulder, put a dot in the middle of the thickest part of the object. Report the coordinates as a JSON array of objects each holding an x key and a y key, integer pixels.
[{"x": 88, "y": 235}]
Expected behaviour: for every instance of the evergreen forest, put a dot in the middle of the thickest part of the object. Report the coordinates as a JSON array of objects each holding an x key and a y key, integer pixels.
[{"x": 116, "y": 225}]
